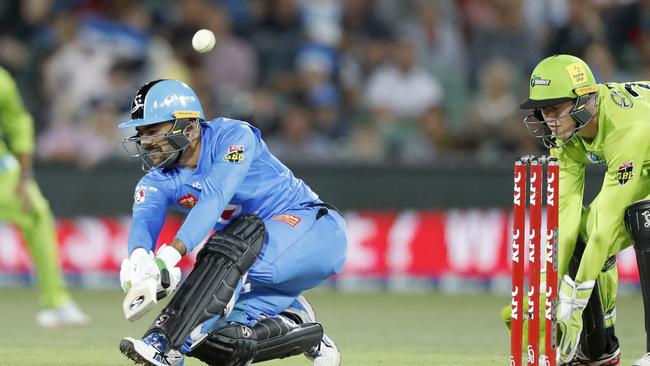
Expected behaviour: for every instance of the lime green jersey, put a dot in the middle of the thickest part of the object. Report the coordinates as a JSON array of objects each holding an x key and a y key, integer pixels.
[
  {"x": 623, "y": 145},
  {"x": 16, "y": 125}
]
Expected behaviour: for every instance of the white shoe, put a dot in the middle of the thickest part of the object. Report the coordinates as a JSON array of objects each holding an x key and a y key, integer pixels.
[
  {"x": 609, "y": 359},
  {"x": 643, "y": 361},
  {"x": 325, "y": 354},
  {"x": 66, "y": 314},
  {"x": 152, "y": 351}
]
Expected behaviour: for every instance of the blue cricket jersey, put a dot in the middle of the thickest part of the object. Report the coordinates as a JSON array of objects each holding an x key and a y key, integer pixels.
[{"x": 236, "y": 174}]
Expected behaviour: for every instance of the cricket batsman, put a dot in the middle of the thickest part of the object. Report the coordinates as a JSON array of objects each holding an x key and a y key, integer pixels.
[
  {"x": 582, "y": 123},
  {"x": 274, "y": 239},
  {"x": 22, "y": 204}
]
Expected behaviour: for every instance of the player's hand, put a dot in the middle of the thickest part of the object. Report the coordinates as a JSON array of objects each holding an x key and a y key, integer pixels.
[
  {"x": 170, "y": 275},
  {"x": 142, "y": 266},
  {"x": 573, "y": 300},
  {"x": 139, "y": 267},
  {"x": 22, "y": 192}
]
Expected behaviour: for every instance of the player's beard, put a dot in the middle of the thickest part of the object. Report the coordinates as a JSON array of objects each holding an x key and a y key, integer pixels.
[{"x": 159, "y": 159}]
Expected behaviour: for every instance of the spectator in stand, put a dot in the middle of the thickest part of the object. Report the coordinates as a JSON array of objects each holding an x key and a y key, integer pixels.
[
  {"x": 231, "y": 67},
  {"x": 622, "y": 23},
  {"x": 602, "y": 63},
  {"x": 583, "y": 27},
  {"x": 91, "y": 47},
  {"x": 264, "y": 111},
  {"x": 496, "y": 29},
  {"x": 438, "y": 39},
  {"x": 277, "y": 38},
  {"x": 399, "y": 94},
  {"x": 364, "y": 47},
  {"x": 364, "y": 145},
  {"x": 322, "y": 21},
  {"x": 493, "y": 131},
  {"x": 542, "y": 18},
  {"x": 316, "y": 67},
  {"x": 433, "y": 140},
  {"x": 297, "y": 141},
  {"x": 20, "y": 21}
]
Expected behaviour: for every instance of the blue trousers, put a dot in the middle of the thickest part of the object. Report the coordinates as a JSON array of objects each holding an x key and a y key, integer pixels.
[{"x": 299, "y": 253}]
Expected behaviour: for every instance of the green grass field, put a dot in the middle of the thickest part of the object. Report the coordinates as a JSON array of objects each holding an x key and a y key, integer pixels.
[{"x": 370, "y": 329}]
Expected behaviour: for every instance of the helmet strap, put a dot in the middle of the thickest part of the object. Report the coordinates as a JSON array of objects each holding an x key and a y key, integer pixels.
[
  {"x": 580, "y": 111},
  {"x": 176, "y": 136},
  {"x": 179, "y": 140}
]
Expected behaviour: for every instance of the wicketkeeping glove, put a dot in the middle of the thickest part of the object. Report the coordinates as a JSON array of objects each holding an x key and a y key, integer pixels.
[{"x": 573, "y": 300}]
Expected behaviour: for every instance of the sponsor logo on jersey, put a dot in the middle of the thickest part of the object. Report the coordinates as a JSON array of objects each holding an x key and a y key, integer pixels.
[
  {"x": 197, "y": 185},
  {"x": 537, "y": 80},
  {"x": 625, "y": 172},
  {"x": 235, "y": 154},
  {"x": 291, "y": 220},
  {"x": 595, "y": 158},
  {"x": 621, "y": 100},
  {"x": 188, "y": 201},
  {"x": 139, "y": 195}
]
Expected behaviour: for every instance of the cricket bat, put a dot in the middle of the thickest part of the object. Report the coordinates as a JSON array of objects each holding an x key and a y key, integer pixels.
[{"x": 140, "y": 299}]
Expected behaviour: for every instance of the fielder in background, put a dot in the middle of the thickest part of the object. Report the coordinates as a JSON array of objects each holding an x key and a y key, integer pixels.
[
  {"x": 22, "y": 204},
  {"x": 275, "y": 238},
  {"x": 582, "y": 123}
]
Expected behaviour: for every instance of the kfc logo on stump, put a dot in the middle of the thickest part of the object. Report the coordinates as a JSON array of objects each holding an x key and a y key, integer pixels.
[{"x": 625, "y": 172}]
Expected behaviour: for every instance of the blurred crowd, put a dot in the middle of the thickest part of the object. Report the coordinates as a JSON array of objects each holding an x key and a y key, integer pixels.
[{"x": 327, "y": 81}]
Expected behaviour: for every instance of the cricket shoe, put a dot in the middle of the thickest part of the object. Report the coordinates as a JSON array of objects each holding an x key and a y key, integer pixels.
[
  {"x": 643, "y": 361},
  {"x": 66, "y": 314},
  {"x": 608, "y": 359},
  {"x": 325, "y": 354},
  {"x": 153, "y": 350}
]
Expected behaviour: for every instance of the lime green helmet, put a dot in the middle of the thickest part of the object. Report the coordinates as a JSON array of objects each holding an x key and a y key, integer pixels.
[{"x": 558, "y": 79}]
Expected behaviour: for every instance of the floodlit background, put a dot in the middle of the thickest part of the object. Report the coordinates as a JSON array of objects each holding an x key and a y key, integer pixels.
[{"x": 403, "y": 113}]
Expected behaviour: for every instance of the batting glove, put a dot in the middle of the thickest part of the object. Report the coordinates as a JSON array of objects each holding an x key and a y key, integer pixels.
[
  {"x": 170, "y": 275},
  {"x": 142, "y": 265}
]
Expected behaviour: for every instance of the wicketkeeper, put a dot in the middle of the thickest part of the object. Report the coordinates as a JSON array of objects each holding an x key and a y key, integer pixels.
[
  {"x": 587, "y": 123},
  {"x": 275, "y": 238}
]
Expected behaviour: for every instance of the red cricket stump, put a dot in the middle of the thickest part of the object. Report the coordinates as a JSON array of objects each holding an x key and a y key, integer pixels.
[
  {"x": 542, "y": 261},
  {"x": 552, "y": 204},
  {"x": 534, "y": 259},
  {"x": 518, "y": 234}
]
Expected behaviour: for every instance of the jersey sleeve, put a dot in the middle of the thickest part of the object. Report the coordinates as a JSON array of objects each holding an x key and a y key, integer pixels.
[
  {"x": 149, "y": 212},
  {"x": 232, "y": 157},
  {"x": 15, "y": 121},
  {"x": 572, "y": 183},
  {"x": 628, "y": 150}
]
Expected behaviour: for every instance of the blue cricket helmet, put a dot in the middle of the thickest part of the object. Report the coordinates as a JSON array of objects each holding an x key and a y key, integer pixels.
[{"x": 163, "y": 100}]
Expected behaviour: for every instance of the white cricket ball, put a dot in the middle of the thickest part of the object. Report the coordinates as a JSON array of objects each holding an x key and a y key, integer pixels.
[{"x": 203, "y": 40}]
